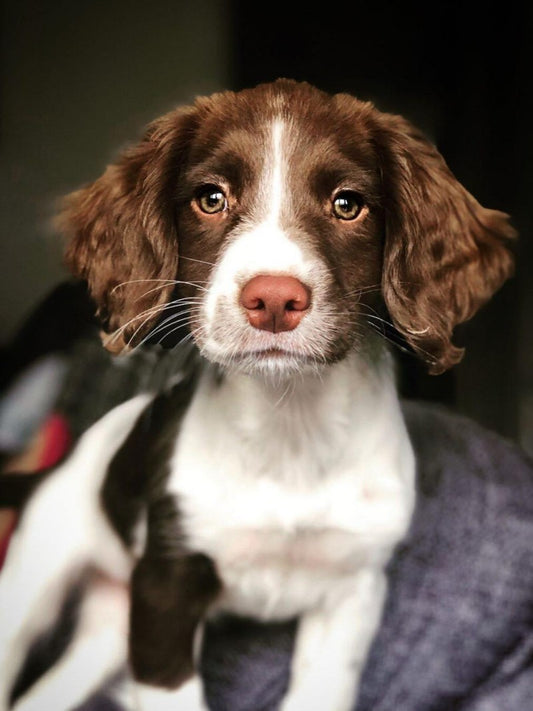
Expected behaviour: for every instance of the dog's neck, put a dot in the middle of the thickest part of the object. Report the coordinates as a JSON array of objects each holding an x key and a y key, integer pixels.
[{"x": 312, "y": 418}]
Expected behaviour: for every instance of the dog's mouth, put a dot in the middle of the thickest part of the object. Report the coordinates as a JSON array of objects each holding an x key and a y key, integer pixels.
[
  {"x": 266, "y": 360},
  {"x": 275, "y": 353},
  {"x": 275, "y": 363},
  {"x": 278, "y": 358},
  {"x": 232, "y": 344},
  {"x": 226, "y": 336}
]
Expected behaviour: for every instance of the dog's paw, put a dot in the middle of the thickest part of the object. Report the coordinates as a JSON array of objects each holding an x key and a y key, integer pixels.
[
  {"x": 325, "y": 696},
  {"x": 188, "y": 697}
]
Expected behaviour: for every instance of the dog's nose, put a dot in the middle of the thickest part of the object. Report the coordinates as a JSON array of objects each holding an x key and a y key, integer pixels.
[{"x": 275, "y": 303}]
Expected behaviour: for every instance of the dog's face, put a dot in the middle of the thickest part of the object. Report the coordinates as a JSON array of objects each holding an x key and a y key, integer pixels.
[
  {"x": 273, "y": 222},
  {"x": 280, "y": 194}
]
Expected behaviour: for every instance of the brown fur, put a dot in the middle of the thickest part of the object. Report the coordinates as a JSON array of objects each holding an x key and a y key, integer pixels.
[
  {"x": 445, "y": 255},
  {"x": 171, "y": 596},
  {"x": 121, "y": 230},
  {"x": 438, "y": 254}
]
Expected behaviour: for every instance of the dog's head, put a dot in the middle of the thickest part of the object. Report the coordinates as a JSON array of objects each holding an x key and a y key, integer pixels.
[{"x": 273, "y": 221}]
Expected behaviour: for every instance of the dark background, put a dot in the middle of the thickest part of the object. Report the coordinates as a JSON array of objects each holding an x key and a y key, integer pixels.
[{"x": 80, "y": 79}]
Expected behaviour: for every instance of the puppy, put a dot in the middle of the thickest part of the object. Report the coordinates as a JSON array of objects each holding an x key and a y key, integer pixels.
[{"x": 275, "y": 477}]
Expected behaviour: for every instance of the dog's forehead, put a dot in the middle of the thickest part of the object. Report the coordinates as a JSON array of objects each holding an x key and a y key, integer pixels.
[{"x": 238, "y": 127}]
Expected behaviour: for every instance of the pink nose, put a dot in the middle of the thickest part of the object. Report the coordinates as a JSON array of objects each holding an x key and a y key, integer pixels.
[{"x": 275, "y": 303}]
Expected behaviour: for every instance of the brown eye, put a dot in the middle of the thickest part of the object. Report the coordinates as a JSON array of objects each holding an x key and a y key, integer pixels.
[
  {"x": 347, "y": 205},
  {"x": 211, "y": 199}
]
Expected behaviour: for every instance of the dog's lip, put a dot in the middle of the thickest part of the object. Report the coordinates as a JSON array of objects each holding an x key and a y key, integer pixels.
[{"x": 275, "y": 352}]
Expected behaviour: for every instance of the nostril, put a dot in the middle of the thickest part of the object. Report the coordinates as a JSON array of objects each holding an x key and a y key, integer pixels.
[
  {"x": 250, "y": 300},
  {"x": 258, "y": 305},
  {"x": 299, "y": 304}
]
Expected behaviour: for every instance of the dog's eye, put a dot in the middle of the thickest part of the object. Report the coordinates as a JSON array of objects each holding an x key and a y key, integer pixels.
[
  {"x": 211, "y": 199},
  {"x": 347, "y": 205}
]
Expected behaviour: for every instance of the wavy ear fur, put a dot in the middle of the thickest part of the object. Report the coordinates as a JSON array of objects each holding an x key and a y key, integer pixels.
[
  {"x": 121, "y": 232},
  {"x": 445, "y": 254}
]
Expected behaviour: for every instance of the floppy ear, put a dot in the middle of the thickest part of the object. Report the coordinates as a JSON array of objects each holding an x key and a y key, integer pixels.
[
  {"x": 121, "y": 232},
  {"x": 445, "y": 254}
]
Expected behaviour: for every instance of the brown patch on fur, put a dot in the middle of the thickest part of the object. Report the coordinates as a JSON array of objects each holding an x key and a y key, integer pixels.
[
  {"x": 139, "y": 470},
  {"x": 445, "y": 255},
  {"x": 171, "y": 587},
  {"x": 169, "y": 599}
]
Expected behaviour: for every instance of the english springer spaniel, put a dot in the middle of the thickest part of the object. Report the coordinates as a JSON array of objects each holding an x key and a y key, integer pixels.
[{"x": 274, "y": 477}]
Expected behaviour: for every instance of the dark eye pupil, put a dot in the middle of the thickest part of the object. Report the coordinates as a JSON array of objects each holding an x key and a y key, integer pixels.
[
  {"x": 211, "y": 199},
  {"x": 347, "y": 205},
  {"x": 344, "y": 204}
]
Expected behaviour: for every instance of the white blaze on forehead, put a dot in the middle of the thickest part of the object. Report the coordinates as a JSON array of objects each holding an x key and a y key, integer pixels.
[
  {"x": 261, "y": 245},
  {"x": 276, "y": 174}
]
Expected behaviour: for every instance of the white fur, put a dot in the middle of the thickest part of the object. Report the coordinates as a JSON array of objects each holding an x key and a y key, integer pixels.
[
  {"x": 332, "y": 644},
  {"x": 287, "y": 490}
]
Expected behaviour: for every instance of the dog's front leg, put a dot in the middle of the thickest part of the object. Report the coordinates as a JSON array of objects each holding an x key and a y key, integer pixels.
[
  {"x": 44, "y": 558},
  {"x": 96, "y": 652},
  {"x": 188, "y": 697},
  {"x": 170, "y": 597},
  {"x": 332, "y": 644}
]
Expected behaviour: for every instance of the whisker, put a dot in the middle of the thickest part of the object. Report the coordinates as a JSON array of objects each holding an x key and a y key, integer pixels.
[
  {"x": 200, "y": 261},
  {"x": 171, "y": 304},
  {"x": 176, "y": 283},
  {"x": 365, "y": 290},
  {"x": 379, "y": 319},
  {"x": 291, "y": 385},
  {"x": 162, "y": 284},
  {"x": 182, "y": 341},
  {"x": 148, "y": 313},
  {"x": 170, "y": 321},
  {"x": 387, "y": 338},
  {"x": 139, "y": 281}
]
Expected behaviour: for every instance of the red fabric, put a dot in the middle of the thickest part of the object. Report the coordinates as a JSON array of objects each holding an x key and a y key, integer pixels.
[
  {"x": 57, "y": 440},
  {"x": 54, "y": 440},
  {"x": 4, "y": 541}
]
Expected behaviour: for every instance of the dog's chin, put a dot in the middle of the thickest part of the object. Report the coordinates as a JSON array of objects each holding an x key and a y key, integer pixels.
[{"x": 269, "y": 363}]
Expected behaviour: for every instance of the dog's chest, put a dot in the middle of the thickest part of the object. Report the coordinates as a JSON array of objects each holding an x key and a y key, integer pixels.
[
  {"x": 277, "y": 497},
  {"x": 276, "y": 548}
]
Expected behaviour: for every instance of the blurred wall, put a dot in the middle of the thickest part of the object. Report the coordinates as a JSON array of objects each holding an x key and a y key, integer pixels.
[
  {"x": 461, "y": 72},
  {"x": 78, "y": 80}
]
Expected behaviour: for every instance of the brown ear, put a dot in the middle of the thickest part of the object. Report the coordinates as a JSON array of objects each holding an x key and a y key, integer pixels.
[
  {"x": 445, "y": 254},
  {"x": 121, "y": 232}
]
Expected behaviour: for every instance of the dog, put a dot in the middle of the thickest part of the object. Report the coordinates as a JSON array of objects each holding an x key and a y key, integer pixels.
[{"x": 270, "y": 228}]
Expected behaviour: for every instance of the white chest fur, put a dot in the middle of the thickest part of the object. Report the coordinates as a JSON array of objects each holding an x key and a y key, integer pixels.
[{"x": 290, "y": 489}]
